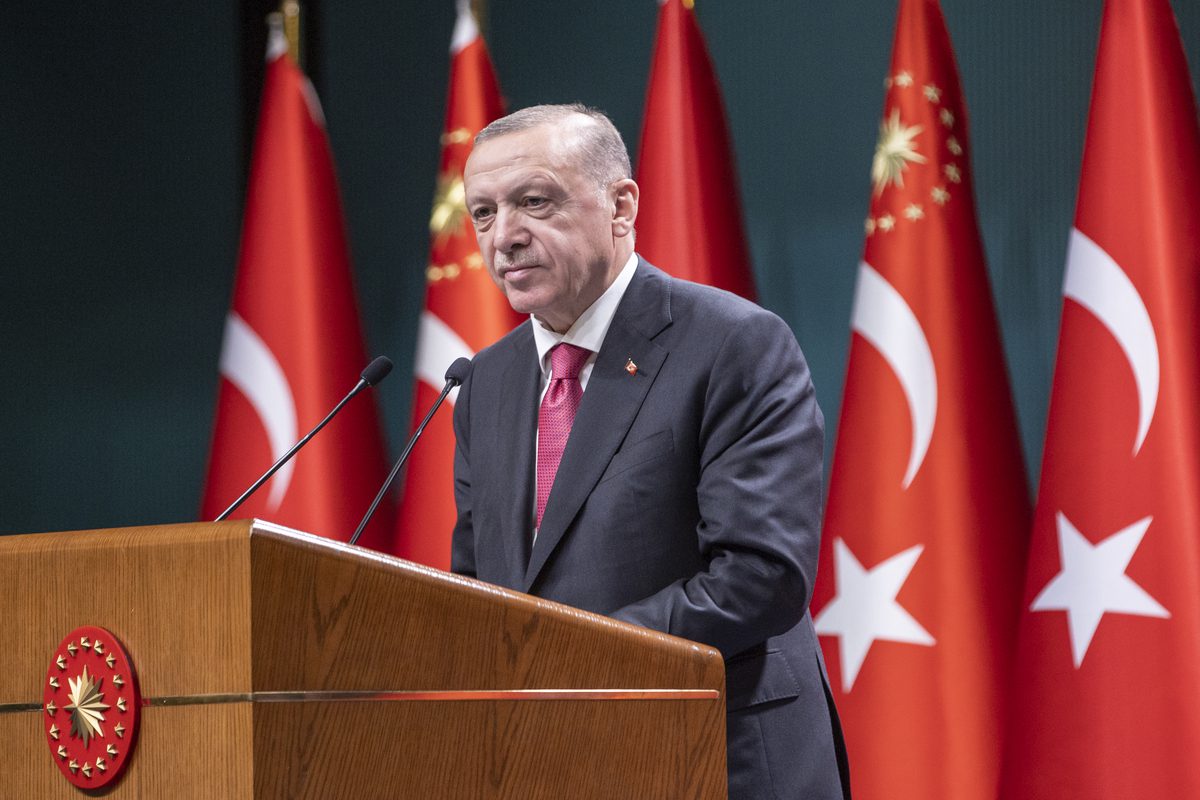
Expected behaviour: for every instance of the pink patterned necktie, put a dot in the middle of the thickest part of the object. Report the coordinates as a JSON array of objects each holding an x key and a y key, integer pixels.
[{"x": 556, "y": 416}]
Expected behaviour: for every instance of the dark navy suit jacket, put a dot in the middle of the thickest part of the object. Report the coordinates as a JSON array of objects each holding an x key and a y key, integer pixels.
[{"x": 688, "y": 500}]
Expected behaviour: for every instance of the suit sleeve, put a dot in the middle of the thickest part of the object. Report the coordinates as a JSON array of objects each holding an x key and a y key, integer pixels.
[
  {"x": 462, "y": 547},
  {"x": 759, "y": 497}
]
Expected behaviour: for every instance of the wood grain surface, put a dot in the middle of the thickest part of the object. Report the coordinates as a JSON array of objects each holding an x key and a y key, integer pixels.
[{"x": 240, "y": 607}]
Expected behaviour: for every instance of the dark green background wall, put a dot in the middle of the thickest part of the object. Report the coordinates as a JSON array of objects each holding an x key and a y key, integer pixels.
[{"x": 122, "y": 149}]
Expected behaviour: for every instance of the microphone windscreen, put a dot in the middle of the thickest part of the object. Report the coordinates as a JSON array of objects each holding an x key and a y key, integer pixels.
[
  {"x": 459, "y": 371},
  {"x": 377, "y": 370}
]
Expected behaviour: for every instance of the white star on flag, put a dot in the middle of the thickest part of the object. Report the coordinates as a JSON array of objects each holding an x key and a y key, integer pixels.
[
  {"x": 865, "y": 607},
  {"x": 1093, "y": 582}
]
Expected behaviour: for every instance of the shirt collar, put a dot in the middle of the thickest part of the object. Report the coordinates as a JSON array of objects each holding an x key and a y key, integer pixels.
[{"x": 592, "y": 326}]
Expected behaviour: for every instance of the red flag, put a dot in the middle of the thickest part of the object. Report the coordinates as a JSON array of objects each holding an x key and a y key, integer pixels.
[
  {"x": 1108, "y": 665},
  {"x": 928, "y": 512},
  {"x": 293, "y": 346},
  {"x": 464, "y": 311},
  {"x": 689, "y": 220}
]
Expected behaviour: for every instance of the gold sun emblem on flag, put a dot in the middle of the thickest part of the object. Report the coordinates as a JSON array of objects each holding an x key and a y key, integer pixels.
[
  {"x": 87, "y": 706},
  {"x": 449, "y": 206},
  {"x": 893, "y": 152}
]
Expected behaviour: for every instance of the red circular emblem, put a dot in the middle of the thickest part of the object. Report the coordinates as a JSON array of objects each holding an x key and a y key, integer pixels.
[{"x": 91, "y": 707}]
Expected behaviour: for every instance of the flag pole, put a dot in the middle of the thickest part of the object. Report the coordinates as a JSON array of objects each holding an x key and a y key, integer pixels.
[
  {"x": 289, "y": 10},
  {"x": 479, "y": 10}
]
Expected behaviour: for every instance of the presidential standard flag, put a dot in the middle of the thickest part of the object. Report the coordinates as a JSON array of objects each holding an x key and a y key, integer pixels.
[
  {"x": 928, "y": 512},
  {"x": 464, "y": 311},
  {"x": 1108, "y": 671},
  {"x": 293, "y": 344}
]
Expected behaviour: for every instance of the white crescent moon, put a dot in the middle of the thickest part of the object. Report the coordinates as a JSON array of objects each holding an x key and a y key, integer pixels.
[
  {"x": 249, "y": 365},
  {"x": 883, "y": 318},
  {"x": 437, "y": 348},
  {"x": 1097, "y": 282}
]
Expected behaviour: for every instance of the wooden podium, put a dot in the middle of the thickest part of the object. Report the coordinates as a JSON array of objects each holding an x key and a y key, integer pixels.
[{"x": 275, "y": 664}]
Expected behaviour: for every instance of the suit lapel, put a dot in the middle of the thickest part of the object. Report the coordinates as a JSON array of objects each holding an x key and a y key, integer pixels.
[
  {"x": 610, "y": 405},
  {"x": 518, "y": 404}
]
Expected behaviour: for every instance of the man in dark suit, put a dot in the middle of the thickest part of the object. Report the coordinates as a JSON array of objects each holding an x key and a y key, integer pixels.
[{"x": 644, "y": 447}]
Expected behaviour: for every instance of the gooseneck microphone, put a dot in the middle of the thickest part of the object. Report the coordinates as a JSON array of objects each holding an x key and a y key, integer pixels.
[
  {"x": 374, "y": 373},
  {"x": 455, "y": 375}
]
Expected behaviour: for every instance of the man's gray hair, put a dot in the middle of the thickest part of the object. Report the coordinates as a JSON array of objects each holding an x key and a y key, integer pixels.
[{"x": 602, "y": 152}]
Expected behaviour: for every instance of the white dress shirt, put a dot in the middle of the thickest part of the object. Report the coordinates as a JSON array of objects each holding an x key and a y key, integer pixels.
[{"x": 588, "y": 332}]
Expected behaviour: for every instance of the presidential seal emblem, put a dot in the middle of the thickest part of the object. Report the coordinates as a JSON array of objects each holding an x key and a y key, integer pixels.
[{"x": 90, "y": 704}]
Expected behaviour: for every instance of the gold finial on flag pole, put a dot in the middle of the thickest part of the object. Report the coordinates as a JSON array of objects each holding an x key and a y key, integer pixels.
[
  {"x": 290, "y": 11},
  {"x": 479, "y": 10}
]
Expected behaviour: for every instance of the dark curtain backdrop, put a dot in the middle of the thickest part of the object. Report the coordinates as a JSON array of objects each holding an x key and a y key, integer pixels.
[{"x": 123, "y": 140}]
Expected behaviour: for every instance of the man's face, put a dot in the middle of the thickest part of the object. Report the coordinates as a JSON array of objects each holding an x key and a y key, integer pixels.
[{"x": 552, "y": 240}]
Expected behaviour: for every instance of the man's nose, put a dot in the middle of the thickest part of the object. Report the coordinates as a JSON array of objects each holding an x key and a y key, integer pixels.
[{"x": 510, "y": 230}]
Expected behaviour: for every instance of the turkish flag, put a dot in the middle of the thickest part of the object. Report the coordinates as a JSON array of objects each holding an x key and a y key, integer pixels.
[
  {"x": 689, "y": 221},
  {"x": 1108, "y": 672},
  {"x": 464, "y": 310},
  {"x": 928, "y": 513},
  {"x": 293, "y": 345}
]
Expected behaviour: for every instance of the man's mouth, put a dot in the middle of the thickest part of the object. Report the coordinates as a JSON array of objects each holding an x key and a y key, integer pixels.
[{"x": 516, "y": 271}]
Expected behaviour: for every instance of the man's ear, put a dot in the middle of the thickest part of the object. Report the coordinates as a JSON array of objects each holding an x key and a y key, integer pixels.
[{"x": 624, "y": 194}]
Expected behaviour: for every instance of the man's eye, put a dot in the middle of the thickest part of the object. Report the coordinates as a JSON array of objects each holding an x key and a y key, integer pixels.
[
  {"x": 535, "y": 202},
  {"x": 481, "y": 214}
]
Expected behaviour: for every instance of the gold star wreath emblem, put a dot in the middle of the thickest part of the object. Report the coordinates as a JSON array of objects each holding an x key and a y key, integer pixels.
[
  {"x": 896, "y": 151},
  {"x": 449, "y": 207}
]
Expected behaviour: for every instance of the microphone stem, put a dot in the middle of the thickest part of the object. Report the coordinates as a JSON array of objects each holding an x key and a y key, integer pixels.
[
  {"x": 450, "y": 384},
  {"x": 286, "y": 456}
]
